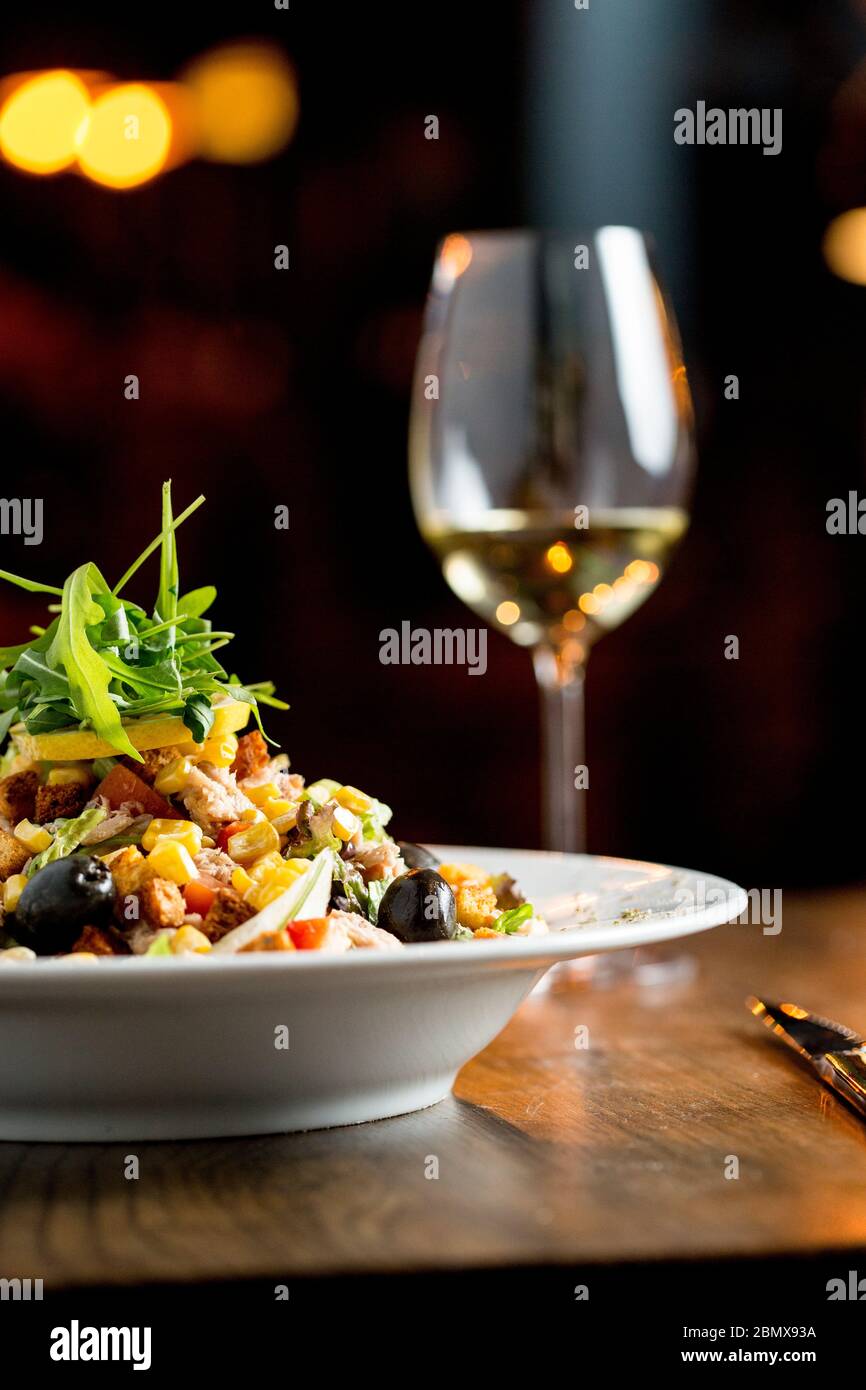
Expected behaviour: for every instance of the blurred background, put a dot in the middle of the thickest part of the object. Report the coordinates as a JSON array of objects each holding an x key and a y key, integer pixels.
[{"x": 263, "y": 387}]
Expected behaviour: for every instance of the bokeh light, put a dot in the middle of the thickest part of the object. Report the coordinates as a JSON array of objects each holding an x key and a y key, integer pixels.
[
  {"x": 125, "y": 137},
  {"x": 573, "y": 620},
  {"x": 245, "y": 101},
  {"x": 454, "y": 257},
  {"x": 508, "y": 613},
  {"x": 558, "y": 558},
  {"x": 40, "y": 121},
  {"x": 845, "y": 246}
]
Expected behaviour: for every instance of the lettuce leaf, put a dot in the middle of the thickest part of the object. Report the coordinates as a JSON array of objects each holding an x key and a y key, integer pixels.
[{"x": 68, "y": 837}]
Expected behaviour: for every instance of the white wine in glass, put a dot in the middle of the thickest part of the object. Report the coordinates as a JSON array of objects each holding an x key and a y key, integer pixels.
[{"x": 551, "y": 454}]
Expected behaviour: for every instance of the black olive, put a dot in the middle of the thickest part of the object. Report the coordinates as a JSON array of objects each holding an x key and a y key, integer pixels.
[
  {"x": 416, "y": 856},
  {"x": 419, "y": 906},
  {"x": 62, "y": 898}
]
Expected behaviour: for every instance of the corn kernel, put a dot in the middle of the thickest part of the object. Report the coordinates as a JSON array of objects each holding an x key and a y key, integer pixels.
[
  {"x": 345, "y": 823},
  {"x": 221, "y": 750},
  {"x": 296, "y": 867},
  {"x": 265, "y": 865},
  {"x": 252, "y": 814},
  {"x": 79, "y": 957},
  {"x": 249, "y": 844},
  {"x": 171, "y": 859},
  {"x": 241, "y": 880},
  {"x": 12, "y": 890},
  {"x": 70, "y": 774},
  {"x": 276, "y": 807},
  {"x": 259, "y": 795},
  {"x": 33, "y": 836},
  {"x": 267, "y": 893},
  {"x": 183, "y": 832},
  {"x": 353, "y": 800},
  {"x": 188, "y": 940},
  {"x": 173, "y": 777},
  {"x": 283, "y": 824},
  {"x": 285, "y": 875},
  {"x": 207, "y": 842}
]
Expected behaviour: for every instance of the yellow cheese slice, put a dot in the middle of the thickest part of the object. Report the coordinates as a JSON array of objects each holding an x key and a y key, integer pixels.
[{"x": 65, "y": 745}]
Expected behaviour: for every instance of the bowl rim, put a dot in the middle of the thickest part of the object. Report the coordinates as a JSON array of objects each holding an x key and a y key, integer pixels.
[{"x": 523, "y": 952}]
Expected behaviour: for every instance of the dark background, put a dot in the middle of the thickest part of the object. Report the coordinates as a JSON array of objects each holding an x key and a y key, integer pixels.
[{"x": 260, "y": 387}]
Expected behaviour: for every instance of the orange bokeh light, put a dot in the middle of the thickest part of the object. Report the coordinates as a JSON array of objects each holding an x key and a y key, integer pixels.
[
  {"x": 40, "y": 121},
  {"x": 558, "y": 558},
  {"x": 125, "y": 137},
  {"x": 245, "y": 102}
]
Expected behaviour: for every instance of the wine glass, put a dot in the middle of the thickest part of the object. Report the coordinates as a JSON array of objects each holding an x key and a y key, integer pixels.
[{"x": 551, "y": 454}]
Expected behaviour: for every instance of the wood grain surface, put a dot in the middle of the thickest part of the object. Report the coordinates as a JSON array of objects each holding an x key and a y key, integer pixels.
[{"x": 547, "y": 1152}]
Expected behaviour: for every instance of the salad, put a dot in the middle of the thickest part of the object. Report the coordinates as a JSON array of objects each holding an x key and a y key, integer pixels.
[{"x": 138, "y": 818}]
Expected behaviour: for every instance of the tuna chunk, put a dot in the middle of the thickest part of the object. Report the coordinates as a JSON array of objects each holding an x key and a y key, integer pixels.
[
  {"x": 378, "y": 861},
  {"x": 212, "y": 797},
  {"x": 361, "y": 933}
]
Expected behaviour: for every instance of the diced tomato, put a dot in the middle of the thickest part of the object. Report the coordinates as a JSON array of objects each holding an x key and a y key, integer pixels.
[
  {"x": 198, "y": 896},
  {"x": 233, "y": 828},
  {"x": 312, "y": 934},
  {"x": 121, "y": 785}
]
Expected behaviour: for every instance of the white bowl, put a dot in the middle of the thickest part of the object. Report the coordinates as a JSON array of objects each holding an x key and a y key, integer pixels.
[{"x": 174, "y": 1048}]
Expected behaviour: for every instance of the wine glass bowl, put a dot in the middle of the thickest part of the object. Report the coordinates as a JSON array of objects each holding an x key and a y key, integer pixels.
[{"x": 551, "y": 452}]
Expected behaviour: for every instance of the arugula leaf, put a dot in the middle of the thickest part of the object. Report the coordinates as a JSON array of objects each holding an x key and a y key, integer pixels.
[
  {"x": 32, "y": 584},
  {"x": 196, "y": 602},
  {"x": 53, "y": 685},
  {"x": 88, "y": 675},
  {"x": 44, "y": 719},
  {"x": 149, "y": 549},
  {"x": 166, "y": 602},
  {"x": 198, "y": 716}
]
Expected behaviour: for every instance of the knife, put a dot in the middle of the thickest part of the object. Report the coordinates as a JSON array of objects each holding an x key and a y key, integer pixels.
[{"x": 836, "y": 1053}]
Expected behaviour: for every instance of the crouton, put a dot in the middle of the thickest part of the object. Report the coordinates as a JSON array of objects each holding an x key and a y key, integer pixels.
[
  {"x": 18, "y": 795},
  {"x": 252, "y": 754},
  {"x": 270, "y": 941},
  {"x": 459, "y": 874},
  {"x": 161, "y": 903},
  {"x": 154, "y": 760},
  {"x": 227, "y": 910},
  {"x": 68, "y": 800},
  {"x": 130, "y": 871},
  {"x": 476, "y": 906},
  {"x": 13, "y": 855},
  {"x": 101, "y": 941}
]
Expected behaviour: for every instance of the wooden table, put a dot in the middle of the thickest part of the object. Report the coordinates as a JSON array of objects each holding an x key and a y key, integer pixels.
[{"x": 547, "y": 1154}]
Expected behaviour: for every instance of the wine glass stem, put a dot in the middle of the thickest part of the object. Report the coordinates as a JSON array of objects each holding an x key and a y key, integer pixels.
[{"x": 563, "y": 790}]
